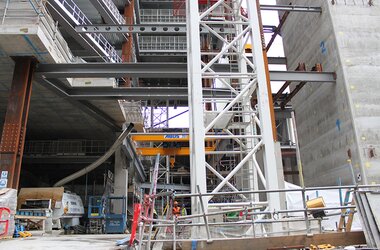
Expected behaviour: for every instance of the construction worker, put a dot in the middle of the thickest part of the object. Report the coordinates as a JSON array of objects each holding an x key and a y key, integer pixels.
[
  {"x": 183, "y": 210},
  {"x": 176, "y": 209}
]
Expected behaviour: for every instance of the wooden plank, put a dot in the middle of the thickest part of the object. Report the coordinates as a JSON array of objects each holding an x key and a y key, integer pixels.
[
  {"x": 29, "y": 217},
  {"x": 335, "y": 239}
]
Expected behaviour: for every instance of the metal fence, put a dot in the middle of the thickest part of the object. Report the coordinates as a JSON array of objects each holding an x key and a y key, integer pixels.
[
  {"x": 257, "y": 219},
  {"x": 66, "y": 147},
  {"x": 80, "y": 19}
]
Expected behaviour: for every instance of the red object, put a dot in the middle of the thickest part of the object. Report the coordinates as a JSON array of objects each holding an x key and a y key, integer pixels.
[
  {"x": 2, "y": 221},
  {"x": 136, "y": 215}
]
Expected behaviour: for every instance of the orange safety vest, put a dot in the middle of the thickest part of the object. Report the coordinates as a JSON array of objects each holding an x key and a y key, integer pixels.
[{"x": 176, "y": 210}]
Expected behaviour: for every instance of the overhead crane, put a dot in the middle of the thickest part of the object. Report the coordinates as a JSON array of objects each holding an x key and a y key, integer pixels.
[{"x": 172, "y": 144}]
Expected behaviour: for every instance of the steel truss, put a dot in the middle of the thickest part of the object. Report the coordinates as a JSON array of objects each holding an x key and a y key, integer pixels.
[{"x": 248, "y": 128}]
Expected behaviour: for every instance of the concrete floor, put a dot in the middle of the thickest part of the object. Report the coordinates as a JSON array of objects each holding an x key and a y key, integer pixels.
[{"x": 58, "y": 242}]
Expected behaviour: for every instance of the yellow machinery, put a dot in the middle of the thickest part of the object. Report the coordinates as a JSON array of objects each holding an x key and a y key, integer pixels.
[{"x": 171, "y": 144}]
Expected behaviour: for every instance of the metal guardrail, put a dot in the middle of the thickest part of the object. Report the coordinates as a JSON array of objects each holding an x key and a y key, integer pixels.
[
  {"x": 162, "y": 43},
  {"x": 66, "y": 147},
  {"x": 115, "y": 12},
  {"x": 160, "y": 16},
  {"x": 254, "y": 214},
  {"x": 81, "y": 19}
]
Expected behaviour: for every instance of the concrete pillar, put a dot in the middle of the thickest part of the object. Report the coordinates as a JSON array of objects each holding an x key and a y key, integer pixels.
[{"x": 120, "y": 177}]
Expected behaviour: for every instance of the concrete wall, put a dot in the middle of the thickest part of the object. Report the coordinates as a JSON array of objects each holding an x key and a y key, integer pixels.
[
  {"x": 357, "y": 29},
  {"x": 334, "y": 119}
]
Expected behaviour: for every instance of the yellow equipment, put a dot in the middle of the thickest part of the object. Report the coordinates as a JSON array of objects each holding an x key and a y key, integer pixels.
[{"x": 316, "y": 203}]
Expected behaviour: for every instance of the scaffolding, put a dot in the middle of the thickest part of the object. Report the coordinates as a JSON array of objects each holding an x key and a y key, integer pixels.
[{"x": 248, "y": 127}]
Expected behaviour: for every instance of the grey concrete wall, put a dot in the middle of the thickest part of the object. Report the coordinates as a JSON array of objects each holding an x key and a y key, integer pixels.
[
  {"x": 333, "y": 119},
  {"x": 357, "y": 29}
]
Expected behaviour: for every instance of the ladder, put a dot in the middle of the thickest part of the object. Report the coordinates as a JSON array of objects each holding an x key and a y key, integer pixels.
[{"x": 347, "y": 213}]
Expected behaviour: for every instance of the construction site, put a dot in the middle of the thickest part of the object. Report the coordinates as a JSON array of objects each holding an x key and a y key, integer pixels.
[{"x": 190, "y": 124}]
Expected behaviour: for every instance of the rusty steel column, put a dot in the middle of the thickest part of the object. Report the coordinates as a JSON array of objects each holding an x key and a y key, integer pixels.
[
  {"x": 127, "y": 47},
  {"x": 13, "y": 136}
]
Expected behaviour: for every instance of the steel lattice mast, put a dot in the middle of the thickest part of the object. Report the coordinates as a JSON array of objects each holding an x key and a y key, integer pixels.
[{"x": 234, "y": 118}]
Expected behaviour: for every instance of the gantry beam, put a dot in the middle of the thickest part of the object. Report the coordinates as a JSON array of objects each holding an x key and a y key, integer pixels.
[
  {"x": 146, "y": 137},
  {"x": 182, "y": 151},
  {"x": 160, "y": 70},
  {"x": 164, "y": 137}
]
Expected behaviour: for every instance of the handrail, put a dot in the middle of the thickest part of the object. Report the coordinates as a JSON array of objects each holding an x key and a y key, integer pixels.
[{"x": 81, "y": 19}]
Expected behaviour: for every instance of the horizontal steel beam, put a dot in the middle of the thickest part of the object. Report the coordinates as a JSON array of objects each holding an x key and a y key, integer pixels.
[
  {"x": 145, "y": 54},
  {"x": 178, "y": 96},
  {"x": 59, "y": 88},
  {"x": 156, "y": 29},
  {"x": 141, "y": 93},
  {"x": 102, "y": 70},
  {"x": 295, "y": 8},
  {"x": 160, "y": 70},
  {"x": 300, "y": 76},
  {"x": 169, "y": 4}
]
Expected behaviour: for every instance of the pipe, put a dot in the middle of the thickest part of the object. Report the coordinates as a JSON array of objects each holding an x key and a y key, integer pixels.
[{"x": 99, "y": 161}]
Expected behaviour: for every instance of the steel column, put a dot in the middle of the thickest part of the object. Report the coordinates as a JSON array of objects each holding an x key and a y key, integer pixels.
[
  {"x": 269, "y": 158},
  {"x": 13, "y": 136},
  {"x": 196, "y": 130},
  {"x": 127, "y": 48}
]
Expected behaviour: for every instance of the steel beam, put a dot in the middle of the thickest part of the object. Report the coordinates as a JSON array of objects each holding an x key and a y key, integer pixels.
[
  {"x": 264, "y": 107},
  {"x": 196, "y": 119},
  {"x": 13, "y": 136},
  {"x": 182, "y": 151},
  {"x": 155, "y": 29},
  {"x": 306, "y": 76},
  {"x": 141, "y": 93},
  {"x": 177, "y": 96},
  {"x": 294, "y": 8},
  {"x": 102, "y": 70},
  {"x": 60, "y": 89},
  {"x": 160, "y": 70},
  {"x": 174, "y": 54}
]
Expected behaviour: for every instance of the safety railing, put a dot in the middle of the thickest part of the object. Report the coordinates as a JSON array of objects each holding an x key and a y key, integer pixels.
[
  {"x": 115, "y": 12},
  {"x": 256, "y": 218},
  {"x": 65, "y": 147},
  {"x": 160, "y": 16},
  {"x": 80, "y": 19},
  {"x": 353, "y": 2},
  {"x": 162, "y": 43}
]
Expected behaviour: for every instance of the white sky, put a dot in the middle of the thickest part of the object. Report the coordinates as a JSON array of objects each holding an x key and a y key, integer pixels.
[{"x": 276, "y": 50}]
